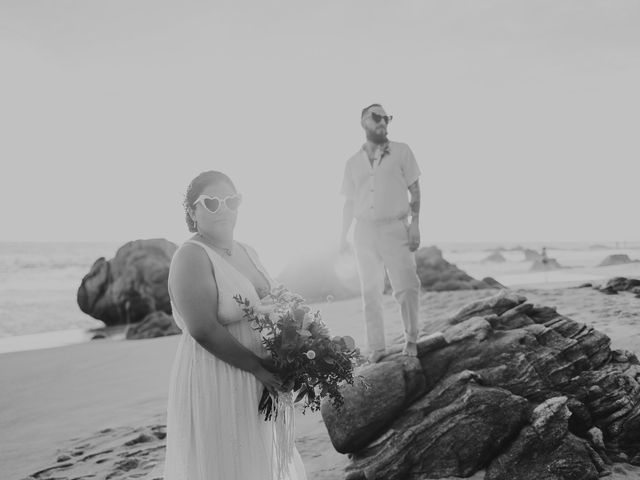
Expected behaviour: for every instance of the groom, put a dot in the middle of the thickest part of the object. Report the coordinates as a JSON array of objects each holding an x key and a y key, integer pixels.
[{"x": 375, "y": 185}]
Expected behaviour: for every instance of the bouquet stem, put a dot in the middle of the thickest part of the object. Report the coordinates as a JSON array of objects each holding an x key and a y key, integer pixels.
[{"x": 266, "y": 405}]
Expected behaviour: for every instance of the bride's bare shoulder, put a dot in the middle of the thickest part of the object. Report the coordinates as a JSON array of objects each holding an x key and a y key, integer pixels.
[{"x": 190, "y": 257}]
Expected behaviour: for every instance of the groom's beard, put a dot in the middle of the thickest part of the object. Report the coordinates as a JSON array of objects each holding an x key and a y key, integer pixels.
[{"x": 377, "y": 138}]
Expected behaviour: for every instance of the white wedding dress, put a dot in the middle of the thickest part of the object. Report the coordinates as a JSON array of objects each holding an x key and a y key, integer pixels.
[{"x": 214, "y": 430}]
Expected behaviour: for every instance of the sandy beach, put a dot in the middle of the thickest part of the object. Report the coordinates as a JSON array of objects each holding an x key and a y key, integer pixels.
[{"x": 97, "y": 409}]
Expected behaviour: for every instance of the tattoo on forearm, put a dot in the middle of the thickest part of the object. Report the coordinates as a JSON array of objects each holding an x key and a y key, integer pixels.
[{"x": 414, "y": 189}]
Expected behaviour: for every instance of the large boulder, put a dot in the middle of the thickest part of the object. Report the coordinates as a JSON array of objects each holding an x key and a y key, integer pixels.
[
  {"x": 495, "y": 257},
  {"x": 546, "y": 450},
  {"x": 329, "y": 275},
  {"x": 156, "y": 324},
  {"x": 617, "y": 259},
  {"x": 436, "y": 274},
  {"x": 544, "y": 264},
  {"x": 517, "y": 387},
  {"x": 531, "y": 255},
  {"x": 620, "y": 284},
  {"x": 454, "y": 430},
  {"x": 131, "y": 285}
]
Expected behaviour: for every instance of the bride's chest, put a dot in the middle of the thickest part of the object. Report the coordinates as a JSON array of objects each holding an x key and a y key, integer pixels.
[{"x": 249, "y": 272}]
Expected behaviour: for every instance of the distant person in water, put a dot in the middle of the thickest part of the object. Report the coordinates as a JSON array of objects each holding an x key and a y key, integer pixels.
[
  {"x": 375, "y": 185},
  {"x": 544, "y": 258}
]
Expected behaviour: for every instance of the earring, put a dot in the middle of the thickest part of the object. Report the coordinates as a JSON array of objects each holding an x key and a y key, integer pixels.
[{"x": 195, "y": 225}]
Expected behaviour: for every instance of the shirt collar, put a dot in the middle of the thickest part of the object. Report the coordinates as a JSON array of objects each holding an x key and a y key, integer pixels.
[{"x": 386, "y": 149}]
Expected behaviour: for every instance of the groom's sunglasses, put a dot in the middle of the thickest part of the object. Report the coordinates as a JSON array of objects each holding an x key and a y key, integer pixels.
[
  {"x": 378, "y": 118},
  {"x": 232, "y": 202}
]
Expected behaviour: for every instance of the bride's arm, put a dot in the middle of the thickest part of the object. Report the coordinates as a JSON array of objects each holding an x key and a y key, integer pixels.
[{"x": 195, "y": 295}]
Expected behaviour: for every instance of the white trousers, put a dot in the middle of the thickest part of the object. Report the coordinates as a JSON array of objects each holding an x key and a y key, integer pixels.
[{"x": 379, "y": 246}]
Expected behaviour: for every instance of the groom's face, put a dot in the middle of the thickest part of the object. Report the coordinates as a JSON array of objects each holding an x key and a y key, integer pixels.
[{"x": 376, "y": 131}]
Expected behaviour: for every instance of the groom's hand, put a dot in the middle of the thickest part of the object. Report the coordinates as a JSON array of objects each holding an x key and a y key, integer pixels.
[{"x": 414, "y": 236}]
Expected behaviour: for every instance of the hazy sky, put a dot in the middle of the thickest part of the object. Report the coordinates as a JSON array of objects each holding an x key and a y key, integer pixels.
[{"x": 523, "y": 115}]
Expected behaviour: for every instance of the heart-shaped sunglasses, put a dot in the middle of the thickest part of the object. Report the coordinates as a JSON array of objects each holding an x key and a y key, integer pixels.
[{"x": 212, "y": 204}]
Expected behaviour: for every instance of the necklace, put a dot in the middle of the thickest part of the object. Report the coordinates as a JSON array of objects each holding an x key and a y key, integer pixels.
[{"x": 227, "y": 251}]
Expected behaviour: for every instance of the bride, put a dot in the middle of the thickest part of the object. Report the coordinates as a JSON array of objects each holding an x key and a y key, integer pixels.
[{"x": 214, "y": 430}]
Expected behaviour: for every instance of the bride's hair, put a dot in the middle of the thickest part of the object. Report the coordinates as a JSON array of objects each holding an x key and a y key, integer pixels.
[{"x": 196, "y": 187}]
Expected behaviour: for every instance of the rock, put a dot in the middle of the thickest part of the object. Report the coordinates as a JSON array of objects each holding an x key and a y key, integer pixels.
[
  {"x": 519, "y": 388},
  {"x": 542, "y": 264},
  {"x": 493, "y": 283},
  {"x": 335, "y": 275},
  {"x": 131, "y": 285},
  {"x": 496, "y": 305},
  {"x": 516, "y": 317},
  {"x": 620, "y": 284},
  {"x": 453, "y": 431},
  {"x": 436, "y": 274},
  {"x": 546, "y": 450},
  {"x": 474, "y": 327},
  {"x": 156, "y": 324},
  {"x": 495, "y": 257},
  {"x": 616, "y": 259},
  {"x": 369, "y": 406},
  {"x": 431, "y": 342},
  {"x": 531, "y": 255}
]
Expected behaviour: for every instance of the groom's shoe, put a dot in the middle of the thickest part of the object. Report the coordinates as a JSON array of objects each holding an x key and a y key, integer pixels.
[
  {"x": 410, "y": 349},
  {"x": 376, "y": 356}
]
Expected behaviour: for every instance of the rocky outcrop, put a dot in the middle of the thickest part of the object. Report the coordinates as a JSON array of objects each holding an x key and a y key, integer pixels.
[
  {"x": 156, "y": 324},
  {"x": 518, "y": 389},
  {"x": 617, "y": 259},
  {"x": 131, "y": 285},
  {"x": 436, "y": 274},
  {"x": 531, "y": 255},
  {"x": 327, "y": 276},
  {"x": 545, "y": 449},
  {"x": 493, "y": 283},
  {"x": 620, "y": 284},
  {"x": 544, "y": 264},
  {"x": 495, "y": 257}
]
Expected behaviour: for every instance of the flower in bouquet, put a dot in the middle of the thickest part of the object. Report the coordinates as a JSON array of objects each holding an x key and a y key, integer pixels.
[{"x": 302, "y": 350}]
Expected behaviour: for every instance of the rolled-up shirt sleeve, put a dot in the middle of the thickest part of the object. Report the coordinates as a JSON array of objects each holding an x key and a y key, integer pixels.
[
  {"x": 348, "y": 188},
  {"x": 410, "y": 168}
]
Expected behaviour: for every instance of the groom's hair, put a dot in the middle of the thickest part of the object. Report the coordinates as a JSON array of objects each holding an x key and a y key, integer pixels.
[
  {"x": 366, "y": 109},
  {"x": 196, "y": 187}
]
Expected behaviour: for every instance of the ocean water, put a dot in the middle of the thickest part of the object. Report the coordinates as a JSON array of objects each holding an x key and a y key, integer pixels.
[
  {"x": 39, "y": 282},
  {"x": 38, "y": 286},
  {"x": 579, "y": 262}
]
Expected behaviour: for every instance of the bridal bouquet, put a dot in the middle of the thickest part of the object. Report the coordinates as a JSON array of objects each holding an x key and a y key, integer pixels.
[{"x": 304, "y": 353}]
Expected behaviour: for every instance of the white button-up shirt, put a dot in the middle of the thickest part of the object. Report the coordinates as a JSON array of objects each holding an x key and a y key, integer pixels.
[{"x": 379, "y": 191}]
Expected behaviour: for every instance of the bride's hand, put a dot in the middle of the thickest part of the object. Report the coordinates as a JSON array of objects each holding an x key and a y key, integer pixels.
[
  {"x": 266, "y": 306},
  {"x": 270, "y": 381},
  {"x": 269, "y": 364}
]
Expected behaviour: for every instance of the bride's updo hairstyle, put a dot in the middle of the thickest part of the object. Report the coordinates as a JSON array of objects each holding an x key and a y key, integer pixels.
[{"x": 195, "y": 188}]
